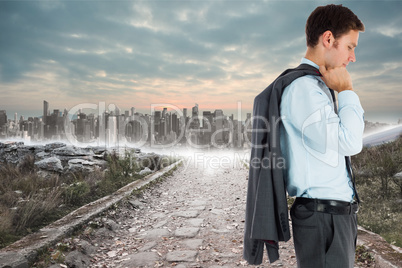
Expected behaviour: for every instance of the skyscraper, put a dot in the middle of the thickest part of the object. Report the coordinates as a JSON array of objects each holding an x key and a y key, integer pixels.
[
  {"x": 185, "y": 117},
  {"x": 112, "y": 131},
  {"x": 45, "y": 111},
  {"x": 207, "y": 118},
  {"x": 195, "y": 121},
  {"x": 219, "y": 126},
  {"x": 132, "y": 113},
  {"x": 3, "y": 120},
  {"x": 195, "y": 111},
  {"x": 157, "y": 122}
]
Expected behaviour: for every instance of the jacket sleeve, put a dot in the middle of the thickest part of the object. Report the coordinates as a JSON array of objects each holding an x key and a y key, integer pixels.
[{"x": 260, "y": 221}]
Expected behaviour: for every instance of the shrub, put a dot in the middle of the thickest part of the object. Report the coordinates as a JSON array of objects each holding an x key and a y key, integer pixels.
[
  {"x": 379, "y": 190},
  {"x": 27, "y": 165},
  {"x": 29, "y": 201},
  {"x": 76, "y": 193},
  {"x": 33, "y": 212}
]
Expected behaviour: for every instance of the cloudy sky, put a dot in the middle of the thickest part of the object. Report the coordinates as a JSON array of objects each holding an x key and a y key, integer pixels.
[{"x": 219, "y": 54}]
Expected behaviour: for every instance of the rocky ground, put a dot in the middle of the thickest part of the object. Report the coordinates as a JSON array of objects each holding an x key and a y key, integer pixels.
[
  {"x": 62, "y": 158},
  {"x": 194, "y": 218}
]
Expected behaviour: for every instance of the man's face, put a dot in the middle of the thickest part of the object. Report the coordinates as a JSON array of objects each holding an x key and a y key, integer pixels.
[{"x": 343, "y": 50}]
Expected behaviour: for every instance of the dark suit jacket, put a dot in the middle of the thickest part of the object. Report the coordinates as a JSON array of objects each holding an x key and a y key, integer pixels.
[{"x": 266, "y": 208}]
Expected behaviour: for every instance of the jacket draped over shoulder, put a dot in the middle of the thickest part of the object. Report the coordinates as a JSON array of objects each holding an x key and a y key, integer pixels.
[{"x": 267, "y": 220}]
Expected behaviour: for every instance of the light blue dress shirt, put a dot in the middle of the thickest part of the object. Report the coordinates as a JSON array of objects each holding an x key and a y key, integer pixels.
[{"x": 315, "y": 140}]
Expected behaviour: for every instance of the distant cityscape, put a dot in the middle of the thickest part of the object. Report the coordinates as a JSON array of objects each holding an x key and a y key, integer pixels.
[{"x": 113, "y": 128}]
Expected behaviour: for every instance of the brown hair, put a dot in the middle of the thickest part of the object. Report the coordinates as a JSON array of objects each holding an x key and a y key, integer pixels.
[{"x": 335, "y": 18}]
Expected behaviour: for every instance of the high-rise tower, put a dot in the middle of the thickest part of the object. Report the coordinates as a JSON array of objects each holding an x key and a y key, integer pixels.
[{"x": 45, "y": 111}]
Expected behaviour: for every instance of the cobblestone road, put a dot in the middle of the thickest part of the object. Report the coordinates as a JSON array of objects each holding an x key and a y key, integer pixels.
[{"x": 194, "y": 218}]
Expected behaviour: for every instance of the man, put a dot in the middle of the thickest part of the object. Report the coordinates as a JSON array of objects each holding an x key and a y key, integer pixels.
[{"x": 316, "y": 139}]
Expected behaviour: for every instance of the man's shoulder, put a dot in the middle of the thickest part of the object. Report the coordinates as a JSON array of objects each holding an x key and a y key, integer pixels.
[
  {"x": 307, "y": 80},
  {"x": 306, "y": 83}
]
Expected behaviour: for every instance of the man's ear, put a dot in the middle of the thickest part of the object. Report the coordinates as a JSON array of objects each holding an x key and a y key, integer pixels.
[{"x": 327, "y": 39}]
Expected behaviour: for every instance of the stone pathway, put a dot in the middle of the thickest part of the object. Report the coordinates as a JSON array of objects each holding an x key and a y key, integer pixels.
[{"x": 194, "y": 218}]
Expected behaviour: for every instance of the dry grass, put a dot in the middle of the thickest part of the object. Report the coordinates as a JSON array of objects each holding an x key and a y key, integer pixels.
[
  {"x": 26, "y": 199},
  {"x": 29, "y": 201},
  {"x": 380, "y": 191}
]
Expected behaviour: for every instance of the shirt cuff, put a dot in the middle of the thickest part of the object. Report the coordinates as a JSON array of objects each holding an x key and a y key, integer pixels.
[{"x": 348, "y": 97}]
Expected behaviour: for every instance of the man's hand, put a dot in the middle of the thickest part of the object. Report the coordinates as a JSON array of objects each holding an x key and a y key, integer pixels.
[{"x": 337, "y": 78}]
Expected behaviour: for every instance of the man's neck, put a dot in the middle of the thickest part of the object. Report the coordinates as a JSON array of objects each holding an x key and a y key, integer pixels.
[{"x": 314, "y": 55}]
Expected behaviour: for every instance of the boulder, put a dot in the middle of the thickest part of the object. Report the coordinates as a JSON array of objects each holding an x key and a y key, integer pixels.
[
  {"x": 98, "y": 150},
  {"x": 13, "y": 259},
  {"x": 42, "y": 155},
  {"x": 78, "y": 164},
  {"x": 145, "y": 171},
  {"x": 71, "y": 151},
  {"x": 77, "y": 259},
  {"x": 9, "y": 152},
  {"x": 54, "y": 145},
  {"x": 50, "y": 164}
]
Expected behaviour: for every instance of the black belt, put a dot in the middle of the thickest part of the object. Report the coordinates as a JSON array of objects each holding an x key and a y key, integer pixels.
[{"x": 328, "y": 206}]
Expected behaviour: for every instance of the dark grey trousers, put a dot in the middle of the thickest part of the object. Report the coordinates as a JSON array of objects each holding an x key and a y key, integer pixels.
[{"x": 323, "y": 239}]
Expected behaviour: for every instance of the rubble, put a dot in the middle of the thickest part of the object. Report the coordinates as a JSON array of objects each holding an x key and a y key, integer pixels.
[{"x": 62, "y": 158}]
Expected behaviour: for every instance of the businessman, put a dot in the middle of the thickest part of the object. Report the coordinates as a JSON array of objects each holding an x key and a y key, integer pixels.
[{"x": 317, "y": 137}]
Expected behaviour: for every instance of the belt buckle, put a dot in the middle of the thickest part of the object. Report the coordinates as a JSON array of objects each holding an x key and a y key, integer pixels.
[{"x": 353, "y": 203}]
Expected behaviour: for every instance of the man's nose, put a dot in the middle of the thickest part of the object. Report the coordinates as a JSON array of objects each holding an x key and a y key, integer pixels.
[{"x": 352, "y": 57}]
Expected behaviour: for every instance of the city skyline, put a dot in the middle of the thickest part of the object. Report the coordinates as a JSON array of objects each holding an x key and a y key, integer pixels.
[
  {"x": 111, "y": 127},
  {"x": 214, "y": 53}
]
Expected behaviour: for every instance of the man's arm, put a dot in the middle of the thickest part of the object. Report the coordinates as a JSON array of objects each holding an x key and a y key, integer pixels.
[
  {"x": 350, "y": 110},
  {"x": 309, "y": 110}
]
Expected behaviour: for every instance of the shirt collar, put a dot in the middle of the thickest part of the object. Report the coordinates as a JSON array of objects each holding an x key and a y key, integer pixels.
[{"x": 309, "y": 62}]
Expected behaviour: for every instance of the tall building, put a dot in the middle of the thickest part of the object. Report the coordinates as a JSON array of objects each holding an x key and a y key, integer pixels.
[
  {"x": 111, "y": 133},
  {"x": 157, "y": 123},
  {"x": 117, "y": 110},
  {"x": 207, "y": 118},
  {"x": 185, "y": 116},
  {"x": 45, "y": 111},
  {"x": 132, "y": 113},
  {"x": 248, "y": 129},
  {"x": 175, "y": 124},
  {"x": 3, "y": 121},
  {"x": 169, "y": 122},
  {"x": 195, "y": 111},
  {"x": 237, "y": 134},
  {"x": 218, "y": 115},
  {"x": 195, "y": 121}
]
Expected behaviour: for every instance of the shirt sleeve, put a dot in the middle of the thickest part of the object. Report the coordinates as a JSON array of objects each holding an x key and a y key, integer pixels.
[
  {"x": 351, "y": 122},
  {"x": 310, "y": 113}
]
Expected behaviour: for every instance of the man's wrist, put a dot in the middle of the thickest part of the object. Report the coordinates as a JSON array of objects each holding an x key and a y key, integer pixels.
[
  {"x": 349, "y": 88},
  {"x": 347, "y": 97}
]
